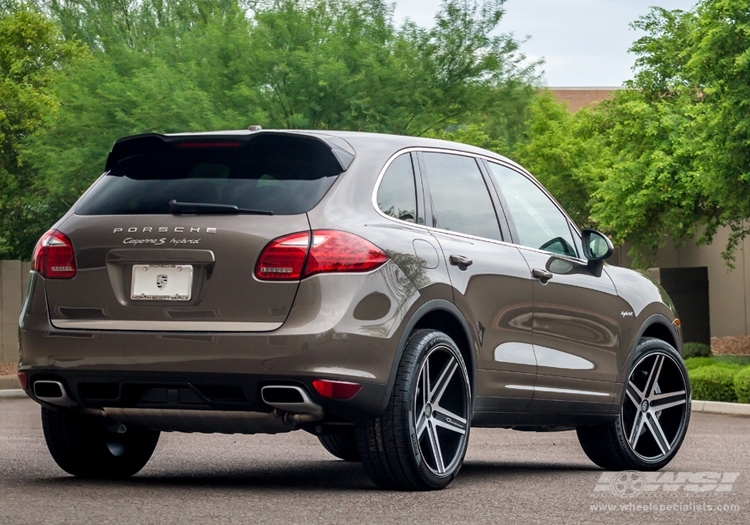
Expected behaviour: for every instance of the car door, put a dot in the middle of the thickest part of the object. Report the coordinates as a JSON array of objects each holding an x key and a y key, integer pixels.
[
  {"x": 575, "y": 321},
  {"x": 490, "y": 279}
]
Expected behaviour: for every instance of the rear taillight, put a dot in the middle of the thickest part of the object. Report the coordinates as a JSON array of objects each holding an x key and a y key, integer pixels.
[
  {"x": 53, "y": 256},
  {"x": 296, "y": 256},
  {"x": 284, "y": 258}
]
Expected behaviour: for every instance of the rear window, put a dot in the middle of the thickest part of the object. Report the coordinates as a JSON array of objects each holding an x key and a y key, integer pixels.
[{"x": 284, "y": 175}]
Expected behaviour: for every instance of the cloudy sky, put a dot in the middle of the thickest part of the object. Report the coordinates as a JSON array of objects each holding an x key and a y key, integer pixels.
[{"x": 583, "y": 42}]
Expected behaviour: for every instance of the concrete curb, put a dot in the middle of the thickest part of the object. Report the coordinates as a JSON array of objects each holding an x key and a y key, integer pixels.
[
  {"x": 9, "y": 383},
  {"x": 717, "y": 407},
  {"x": 12, "y": 393}
]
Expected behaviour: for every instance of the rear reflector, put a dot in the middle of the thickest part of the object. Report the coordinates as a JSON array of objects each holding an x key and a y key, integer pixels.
[
  {"x": 53, "y": 256},
  {"x": 336, "y": 389},
  {"x": 24, "y": 380},
  {"x": 297, "y": 256}
]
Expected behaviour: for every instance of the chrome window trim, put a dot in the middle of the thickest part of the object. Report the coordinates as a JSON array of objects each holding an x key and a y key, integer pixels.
[
  {"x": 557, "y": 390},
  {"x": 510, "y": 164}
]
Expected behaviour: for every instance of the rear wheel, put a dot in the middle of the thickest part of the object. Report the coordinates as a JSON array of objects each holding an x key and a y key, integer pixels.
[
  {"x": 343, "y": 445},
  {"x": 420, "y": 441},
  {"x": 88, "y": 447},
  {"x": 654, "y": 416}
]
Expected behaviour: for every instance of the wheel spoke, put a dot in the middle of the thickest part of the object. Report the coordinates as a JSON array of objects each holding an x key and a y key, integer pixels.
[
  {"x": 653, "y": 376},
  {"x": 446, "y": 374},
  {"x": 425, "y": 380},
  {"x": 635, "y": 395},
  {"x": 669, "y": 400},
  {"x": 421, "y": 424},
  {"x": 656, "y": 431},
  {"x": 435, "y": 446},
  {"x": 635, "y": 432},
  {"x": 448, "y": 420}
]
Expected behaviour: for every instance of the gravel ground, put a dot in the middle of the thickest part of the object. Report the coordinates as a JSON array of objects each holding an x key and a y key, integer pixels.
[
  {"x": 735, "y": 345},
  {"x": 8, "y": 369}
]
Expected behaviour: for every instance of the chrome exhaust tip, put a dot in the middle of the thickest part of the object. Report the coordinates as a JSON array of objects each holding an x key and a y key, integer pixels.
[
  {"x": 289, "y": 399},
  {"x": 52, "y": 392}
]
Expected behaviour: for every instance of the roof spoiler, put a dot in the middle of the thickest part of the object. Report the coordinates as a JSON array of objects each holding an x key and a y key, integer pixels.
[{"x": 156, "y": 142}]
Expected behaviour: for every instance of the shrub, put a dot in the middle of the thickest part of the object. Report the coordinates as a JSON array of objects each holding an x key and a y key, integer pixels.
[
  {"x": 742, "y": 385},
  {"x": 695, "y": 350},
  {"x": 714, "y": 383}
]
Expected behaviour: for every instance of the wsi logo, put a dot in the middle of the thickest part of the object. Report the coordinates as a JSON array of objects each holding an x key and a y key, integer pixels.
[{"x": 631, "y": 483}]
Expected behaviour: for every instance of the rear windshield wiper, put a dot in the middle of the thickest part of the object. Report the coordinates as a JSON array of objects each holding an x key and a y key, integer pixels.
[{"x": 177, "y": 208}]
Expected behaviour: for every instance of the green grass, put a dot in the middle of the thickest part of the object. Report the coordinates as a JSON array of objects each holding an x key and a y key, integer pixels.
[
  {"x": 693, "y": 363},
  {"x": 742, "y": 360}
]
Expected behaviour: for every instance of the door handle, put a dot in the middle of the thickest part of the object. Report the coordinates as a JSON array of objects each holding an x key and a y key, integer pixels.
[
  {"x": 460, "y": 261},
  {"x": 542, "y": 275}
]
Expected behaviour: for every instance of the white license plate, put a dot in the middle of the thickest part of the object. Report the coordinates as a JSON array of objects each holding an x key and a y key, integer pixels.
[{"x": 162, "y": 282}]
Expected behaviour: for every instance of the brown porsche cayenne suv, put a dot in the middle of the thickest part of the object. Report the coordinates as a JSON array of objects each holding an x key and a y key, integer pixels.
[{"x": 384, "y": 293}]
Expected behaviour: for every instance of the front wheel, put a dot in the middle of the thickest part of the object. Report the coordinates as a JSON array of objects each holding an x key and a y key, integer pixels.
[
  {"x": 89, "y": 447},
  {"x": 654, "y": 415},
  {"x": 420, "y": 441}
]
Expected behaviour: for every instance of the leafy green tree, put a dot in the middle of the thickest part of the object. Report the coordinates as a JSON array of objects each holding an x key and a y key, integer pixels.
[
  {"x": 190, "y": 65},
  {"x": 649, "y": 190},
  {"x": 680, "y": 136},
  {"x": 564, "y": 152},
  {"x": 32, "y": 52}
]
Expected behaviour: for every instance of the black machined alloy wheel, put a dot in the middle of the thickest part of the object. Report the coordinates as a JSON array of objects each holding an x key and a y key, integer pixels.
[
  {"x": 441, "y": 410},
  {"x": 420, "y": 441},
  {"x": 654, "y": 415},
  {"x": 654, "y": 412},
  {"x": 91, "y": 447}
]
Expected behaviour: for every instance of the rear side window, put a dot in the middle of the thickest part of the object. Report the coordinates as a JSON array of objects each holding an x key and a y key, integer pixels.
[
  {"x": 397, "y": 194},
  {"x": 284, "y": 175},
  {"x": 459, "y": 196}
]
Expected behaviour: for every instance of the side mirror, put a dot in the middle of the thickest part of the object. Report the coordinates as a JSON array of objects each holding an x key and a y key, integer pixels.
[{"x": 596, "y": 248}]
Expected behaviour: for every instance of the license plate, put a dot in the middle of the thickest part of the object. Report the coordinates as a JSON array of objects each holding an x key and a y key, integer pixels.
[{"x": 162, "y": 282}]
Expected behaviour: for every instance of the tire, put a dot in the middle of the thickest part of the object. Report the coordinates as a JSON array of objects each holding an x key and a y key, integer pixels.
[
  {"x": 85, "y": 447},
  {"x": 343, "y": 445},
  {"x": 429, "y": 410},
  {"x": 652, "y": 423}
]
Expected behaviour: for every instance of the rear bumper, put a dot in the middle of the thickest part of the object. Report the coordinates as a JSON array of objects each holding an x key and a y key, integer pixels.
[
  {"x": 225, "y": 371},
  {"x": 185, "y": 391}
]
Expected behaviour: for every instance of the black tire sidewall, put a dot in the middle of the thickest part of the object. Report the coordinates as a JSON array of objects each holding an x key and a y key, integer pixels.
[{"x": 79, "y": 445}]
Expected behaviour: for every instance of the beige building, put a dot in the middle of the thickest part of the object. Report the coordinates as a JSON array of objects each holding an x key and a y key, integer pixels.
[{"x": 578, "y": 97}]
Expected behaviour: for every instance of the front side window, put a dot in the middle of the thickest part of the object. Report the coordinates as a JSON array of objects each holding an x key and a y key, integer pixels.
[
  {"x": 460, "y": 200},
  {"x": 539, "y": 223},
  {"x": 397, "y": 194}
]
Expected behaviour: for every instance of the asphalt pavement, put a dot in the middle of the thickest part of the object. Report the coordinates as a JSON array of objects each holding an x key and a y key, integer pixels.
[{"x": 508, "y": 477}]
